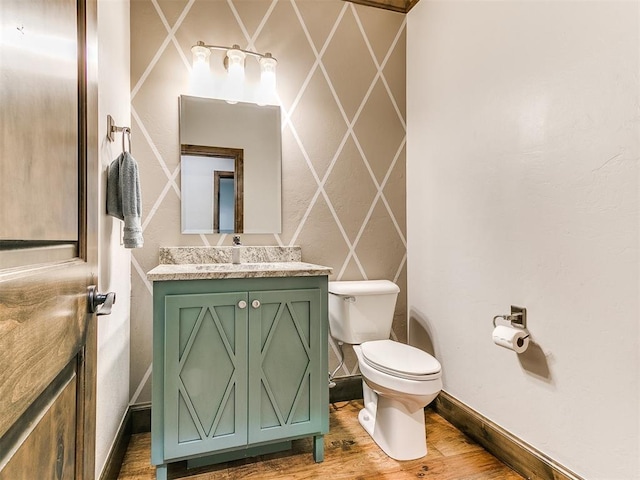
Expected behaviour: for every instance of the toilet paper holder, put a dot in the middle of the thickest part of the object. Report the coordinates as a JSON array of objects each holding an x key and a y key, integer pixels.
[{"x": 517, "y": 317}]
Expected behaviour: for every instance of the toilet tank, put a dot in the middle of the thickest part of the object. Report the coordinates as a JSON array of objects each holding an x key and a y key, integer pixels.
[{"x": 361, "y": 311}]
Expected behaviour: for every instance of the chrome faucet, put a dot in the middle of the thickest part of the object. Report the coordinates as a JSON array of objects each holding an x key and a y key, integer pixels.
[{"x": 235, "y": 250}]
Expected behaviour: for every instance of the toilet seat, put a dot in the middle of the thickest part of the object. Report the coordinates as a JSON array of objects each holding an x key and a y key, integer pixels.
[{"x": 400, "y": 360}]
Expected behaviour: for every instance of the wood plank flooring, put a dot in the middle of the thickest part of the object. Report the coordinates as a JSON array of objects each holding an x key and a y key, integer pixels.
[{"x": 349, "y": 454}]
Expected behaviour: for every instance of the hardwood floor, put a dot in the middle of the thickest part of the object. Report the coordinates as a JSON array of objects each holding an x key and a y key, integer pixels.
[{"x": 349, "y": 454}]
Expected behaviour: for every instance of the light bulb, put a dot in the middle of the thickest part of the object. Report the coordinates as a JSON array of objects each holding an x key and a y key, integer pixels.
[
  {"x": 267, "y": 80},
  {"x": 201, "y": 55},
  {"x": 235, "y": 65},
  {"x": 201, "y": 81},
  {"x": 235, "y": 74}
]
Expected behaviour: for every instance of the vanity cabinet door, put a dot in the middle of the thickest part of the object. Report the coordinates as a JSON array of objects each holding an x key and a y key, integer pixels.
[
  {"x": 285, "y": 364},
  {"x": 205, "y": 376}
]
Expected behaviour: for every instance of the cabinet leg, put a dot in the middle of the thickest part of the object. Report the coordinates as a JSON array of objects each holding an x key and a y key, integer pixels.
[
  {"x": 161, "y": 472},
  {"x": 318, "y": 448}
]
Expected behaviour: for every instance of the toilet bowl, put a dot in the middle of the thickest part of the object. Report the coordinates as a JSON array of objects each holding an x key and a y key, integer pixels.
[
  {"x": 398, "y": 380},
  {"x": 394, "y": 402}
]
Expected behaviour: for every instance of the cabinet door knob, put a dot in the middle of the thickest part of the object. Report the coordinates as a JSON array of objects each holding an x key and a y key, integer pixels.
[
  {"x": 255, "y": 304},
  {"x": 242, "y": 304}
]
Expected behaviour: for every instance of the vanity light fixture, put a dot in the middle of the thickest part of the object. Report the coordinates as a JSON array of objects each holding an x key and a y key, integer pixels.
[{"x": 234, "y": 62}]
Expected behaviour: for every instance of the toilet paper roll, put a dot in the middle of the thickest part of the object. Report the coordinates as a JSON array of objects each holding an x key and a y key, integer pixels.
[{"x": 516, "y": 339}]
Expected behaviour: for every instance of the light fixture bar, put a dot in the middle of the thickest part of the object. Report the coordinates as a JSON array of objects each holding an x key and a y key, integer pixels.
[
  {"x": 233, "y": 47},
  {"x": 233, "y": 89}
]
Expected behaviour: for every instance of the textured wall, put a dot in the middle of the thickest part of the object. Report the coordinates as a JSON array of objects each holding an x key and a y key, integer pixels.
[
  {"x": 114, "y": 262},
  {"x": 341, "y": 81},
  {"x": 522, "y": 167}
]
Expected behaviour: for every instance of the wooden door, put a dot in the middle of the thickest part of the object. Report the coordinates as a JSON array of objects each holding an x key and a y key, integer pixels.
[
  {"x": 285, "y": 364},
  {"x": 205, "y": 377},
  {"x": 48, "y": 244}
]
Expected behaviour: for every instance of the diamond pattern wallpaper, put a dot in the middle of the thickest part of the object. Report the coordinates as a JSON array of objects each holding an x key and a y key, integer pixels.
[{"x": 341, "y": 88}]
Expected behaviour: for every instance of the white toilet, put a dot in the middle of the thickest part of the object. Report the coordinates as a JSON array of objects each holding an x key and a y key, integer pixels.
[{"x": 398, "y": 380}]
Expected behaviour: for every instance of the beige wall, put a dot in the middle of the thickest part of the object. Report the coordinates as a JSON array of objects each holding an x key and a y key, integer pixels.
[
  {"x": 522, "y": 167},
  {"x": 341, "y": 80}
]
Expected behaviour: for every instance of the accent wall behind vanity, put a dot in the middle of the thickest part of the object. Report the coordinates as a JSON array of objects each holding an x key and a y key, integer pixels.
[{"x": 341, "y": 80}]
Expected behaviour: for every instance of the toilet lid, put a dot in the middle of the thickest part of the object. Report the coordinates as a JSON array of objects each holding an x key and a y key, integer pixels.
[
  {"x": 399, "y": 359},
  {"x": 363, "y": 287}
]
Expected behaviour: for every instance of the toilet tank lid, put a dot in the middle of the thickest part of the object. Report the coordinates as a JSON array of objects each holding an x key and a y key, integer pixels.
[{"x": 363, "y": 287}]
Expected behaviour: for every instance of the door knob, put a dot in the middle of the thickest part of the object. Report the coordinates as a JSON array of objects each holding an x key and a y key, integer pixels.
[
  {"x": 242, "y": 304},
  {"x": 255, "y": 304},
  {"x": 100, "y": 303}
]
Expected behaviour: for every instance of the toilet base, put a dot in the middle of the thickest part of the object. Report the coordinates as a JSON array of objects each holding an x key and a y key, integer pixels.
[{"x": 400, "y": 433}]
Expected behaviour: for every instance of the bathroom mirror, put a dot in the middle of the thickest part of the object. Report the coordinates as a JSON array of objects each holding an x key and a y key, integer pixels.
[{"x": 230, "y": 158}]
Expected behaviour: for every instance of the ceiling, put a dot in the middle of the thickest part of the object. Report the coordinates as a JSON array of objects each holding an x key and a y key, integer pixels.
[{"x": 402, "y": 6}]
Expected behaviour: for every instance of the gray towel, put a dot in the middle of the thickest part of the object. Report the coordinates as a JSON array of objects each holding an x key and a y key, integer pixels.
[{"x": 123, "y": 198}]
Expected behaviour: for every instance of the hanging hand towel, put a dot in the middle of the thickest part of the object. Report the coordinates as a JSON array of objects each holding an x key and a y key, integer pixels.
[{"x": 123, "y": 198}]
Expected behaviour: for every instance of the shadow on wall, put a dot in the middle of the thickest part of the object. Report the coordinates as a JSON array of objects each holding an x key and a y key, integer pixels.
[
  {"x": 420, "y": 334},
  {"x": 535, "y": 363}
]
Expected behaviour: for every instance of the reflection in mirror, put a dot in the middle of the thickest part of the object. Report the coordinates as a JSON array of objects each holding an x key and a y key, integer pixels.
[
  {"x": 212, "y": 187},
  {"x": 223, "y": 203},
  {"x": 244, "y": 139}
]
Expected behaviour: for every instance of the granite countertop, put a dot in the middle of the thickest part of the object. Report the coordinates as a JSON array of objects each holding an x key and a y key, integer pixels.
[
  {"x": 248, "y": 254},
  {"x": 205, "y": 271}
]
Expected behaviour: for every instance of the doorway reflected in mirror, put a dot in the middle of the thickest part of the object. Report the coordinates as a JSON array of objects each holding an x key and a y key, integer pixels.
[
  {"x": 223, "y": 202},
  {"x": 213, "y": 188}
]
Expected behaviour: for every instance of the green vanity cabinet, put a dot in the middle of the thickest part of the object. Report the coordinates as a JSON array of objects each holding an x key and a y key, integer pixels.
[{"x": 240, "y": 367}]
